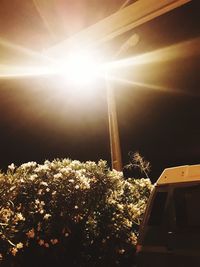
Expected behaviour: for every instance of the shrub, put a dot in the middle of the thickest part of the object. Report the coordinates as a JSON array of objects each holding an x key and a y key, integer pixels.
[{"x": 68, "y": 213}]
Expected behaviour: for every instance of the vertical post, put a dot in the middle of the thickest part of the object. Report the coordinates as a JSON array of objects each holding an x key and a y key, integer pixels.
[{"x": 113, "y": 129}]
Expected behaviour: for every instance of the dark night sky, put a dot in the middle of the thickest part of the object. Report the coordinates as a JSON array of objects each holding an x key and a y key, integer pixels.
[{"x": 39, "y": 122}]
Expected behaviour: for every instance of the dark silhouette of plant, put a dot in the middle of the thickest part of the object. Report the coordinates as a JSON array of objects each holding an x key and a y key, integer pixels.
[{"x": 137, "y": 161}]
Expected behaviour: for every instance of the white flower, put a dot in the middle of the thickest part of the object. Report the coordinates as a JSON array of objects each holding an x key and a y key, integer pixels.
[
  {"x": 37, "y": 201},
  {"x": 44, "y": 183},
  {"x": 33, "y": 177},
  {"x": 47, "y": 216},
  {"x": 41, "y": 211},
  {"x": 42, "y": 168},
  {"x": 127, "y": 222},
  {"x": 42, "y": 203},
  {"x": 121, "y": 251},
  {"x": 11, "y": 167},
  {"x": 28, "y": 165},
  {"x": 91, "y": 164},
  {"x": 19, "y": 245},
  {"x": 75, "y": 164},
  {"x": 58, "y": 175},
  {"x": 20, "y": 217},
  {"x": 85, "y": 182},
  {"x": 39, "y": 191},
  {"x": 120, "y": 207},
  {"x": 12, "y": 188},
  {"x": 66, "y": 170},
  {"x": 5, "y": 214},
  {"x": 133, "y": 238}
]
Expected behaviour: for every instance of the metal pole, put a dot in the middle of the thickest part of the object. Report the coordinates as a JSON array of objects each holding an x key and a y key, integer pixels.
[{"x": 115, "y": 148}]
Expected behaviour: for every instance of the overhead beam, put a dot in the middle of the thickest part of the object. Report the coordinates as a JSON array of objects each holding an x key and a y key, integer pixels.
[{"x": 118, "y": 23}]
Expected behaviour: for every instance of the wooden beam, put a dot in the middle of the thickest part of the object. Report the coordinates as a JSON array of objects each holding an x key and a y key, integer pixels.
[{"x": 118, "y": 23}]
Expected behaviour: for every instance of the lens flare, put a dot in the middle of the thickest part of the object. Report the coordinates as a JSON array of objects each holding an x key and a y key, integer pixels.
[
  {"x": 21, "y": 52},
  {"x": 181, "y": 50},
  {"x": 143, "y": 85},
  {"x": 9, "y": 72},
  {"x": 79, "y": 68},
  {"x": 84, "y": 68}
]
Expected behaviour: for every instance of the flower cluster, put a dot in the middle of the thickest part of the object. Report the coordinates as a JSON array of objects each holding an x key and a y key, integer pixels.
[{"x": 65, "y": 203}]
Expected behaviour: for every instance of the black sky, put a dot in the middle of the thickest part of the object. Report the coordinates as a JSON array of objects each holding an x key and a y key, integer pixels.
[{"x": 38, "y": 122}]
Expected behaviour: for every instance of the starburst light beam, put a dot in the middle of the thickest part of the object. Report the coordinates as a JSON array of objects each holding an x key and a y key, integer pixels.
[
  {"x": 25, "y": 51},
  {"x": 181, "y": 50},
  {"x": 11, "y": 71}
]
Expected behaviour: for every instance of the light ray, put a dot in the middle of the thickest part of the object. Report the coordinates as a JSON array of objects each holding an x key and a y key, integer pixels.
[
  {"x": 25, "y": 51},
  {"x": 116, "y": 24},
  {"x": 43, "y": 17},
  {"x": 8, "y": 72},
  {"x": 148, "y": 86},
  {"x": 181, "y": 50}
]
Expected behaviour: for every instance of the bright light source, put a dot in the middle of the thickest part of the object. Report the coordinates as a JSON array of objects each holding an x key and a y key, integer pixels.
[{"x": 80, "y": 68}]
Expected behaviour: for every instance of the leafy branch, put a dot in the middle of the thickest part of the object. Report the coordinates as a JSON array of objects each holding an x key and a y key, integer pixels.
[{"x": 138, "y": 162}]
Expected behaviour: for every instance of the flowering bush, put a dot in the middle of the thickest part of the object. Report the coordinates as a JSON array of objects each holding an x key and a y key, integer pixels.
[{"x": 68, "y": 213}]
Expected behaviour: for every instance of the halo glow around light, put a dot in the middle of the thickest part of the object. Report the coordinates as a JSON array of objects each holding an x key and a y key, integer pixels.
[{"x": 80, "y": 68}]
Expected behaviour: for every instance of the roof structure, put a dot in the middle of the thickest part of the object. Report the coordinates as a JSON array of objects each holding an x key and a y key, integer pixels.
[
  {"x": 187, "y": 173},
  {"x": 118, "y": 23}
]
